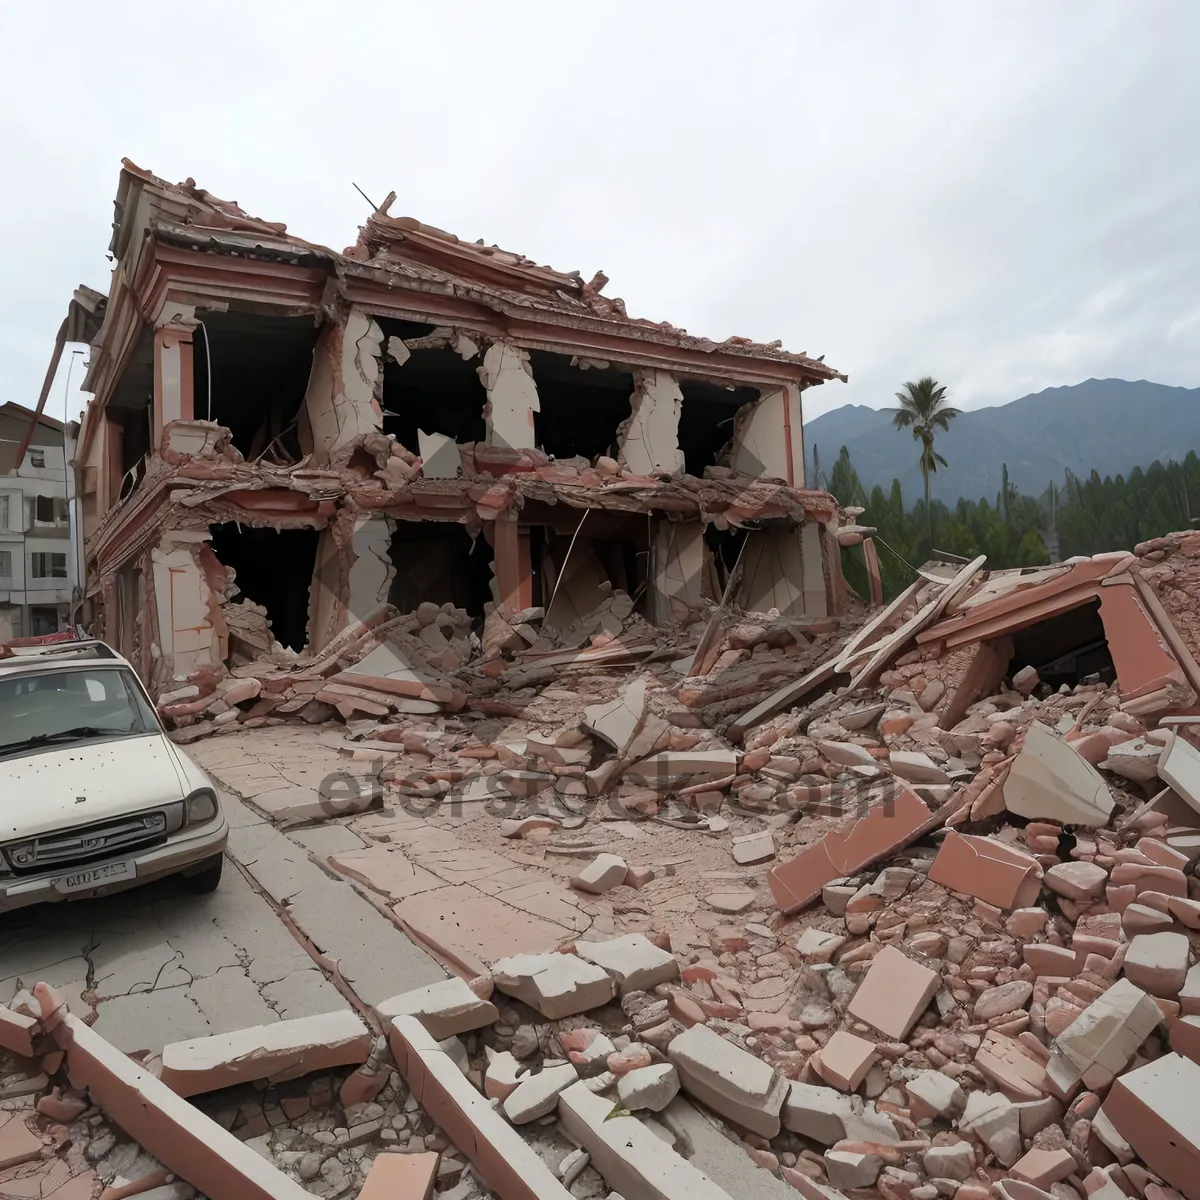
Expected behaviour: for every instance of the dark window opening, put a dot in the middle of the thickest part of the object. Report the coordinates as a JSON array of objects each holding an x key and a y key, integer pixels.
[
  {"x": 260, "y": 370},
  {"x": 135, "y": 445},
  {"x": 438, "y": 561},
  {"x": 274, "y": 568},
  {"x": 131, "y": 409},
  {"x": 580, "y": 410},
  {"x": 435, "y": 390},
  {"x": 726, "y": 546},
  {"x": 43, "y": 621},
  {"x": 612, "y": 548},
  {"x": 706, "y": 421},
  {"x": 1068, "y": 648}
]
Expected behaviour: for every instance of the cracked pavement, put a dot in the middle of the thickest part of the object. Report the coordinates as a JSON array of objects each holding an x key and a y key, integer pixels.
[{"x": 160, "y": 964}]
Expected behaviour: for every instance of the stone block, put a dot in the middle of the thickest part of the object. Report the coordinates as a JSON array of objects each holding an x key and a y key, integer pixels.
[
  {"x": 536, "y": 1095},
  {"x": 729, "y": 1080},
  {"x": 844, "y": 1060},
  {"x": 847, "y": 849},
  {"x": 1051, "y": 781},
  {"x": 444, "y": 1008},
  {"x": 602, "y": 874},
  {"x": 894, "y": 993},
  {"x": 634, "y": 961},
  {"x": 652, "y": 1087},
  {"x": 285, "y": 1050},
  {"x": 400, "y": 1177},
  {"x": 628, "y": 1154},
  {"x": 1158, "y": 962},
  {"x": 816, "y": 1112},
  {"x": 556, "y": 985},
  {"x": 1154, "y": 1109},
  {"x": 988, "y": 869}
]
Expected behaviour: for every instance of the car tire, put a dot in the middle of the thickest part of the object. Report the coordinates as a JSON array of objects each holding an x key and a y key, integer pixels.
[{"x": 207, "y": 878}]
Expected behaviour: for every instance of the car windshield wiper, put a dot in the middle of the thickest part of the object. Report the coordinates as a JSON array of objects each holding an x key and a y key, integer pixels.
[{"x": 64, "y": 735}]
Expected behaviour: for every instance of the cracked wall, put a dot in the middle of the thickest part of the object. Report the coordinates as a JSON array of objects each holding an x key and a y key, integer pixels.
[
  {"x": 761, "y": 438},
  {"x": 341, "y": 402},
  {"x": 371, "y": 569},
  {"x": 188, "y": 637},
  {"x": 679, "y": 569},
  {"x": 649, "y": 441},
  {"x": 783, "y": 570}
]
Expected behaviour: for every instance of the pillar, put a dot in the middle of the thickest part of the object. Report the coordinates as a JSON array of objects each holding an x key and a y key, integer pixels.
[{"x": 174, "y": 392}]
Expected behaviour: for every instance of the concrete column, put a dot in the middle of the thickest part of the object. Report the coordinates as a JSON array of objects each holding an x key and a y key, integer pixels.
[
  {"x": 837, "y": 580},
  {"x": 510, "y": 582},
  {"x": 340, "y": 404},
  {"x": 173, "y": 378},
  {"x": 874, "y": 580}
]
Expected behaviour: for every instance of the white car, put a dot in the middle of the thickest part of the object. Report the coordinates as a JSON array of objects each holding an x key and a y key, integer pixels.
[{"x": 94, "y": 797}]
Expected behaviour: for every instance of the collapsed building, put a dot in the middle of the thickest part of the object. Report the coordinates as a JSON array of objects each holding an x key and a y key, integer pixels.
[
  {"x": 734, "y": 888},
  {"x": 282, "y": 438}
]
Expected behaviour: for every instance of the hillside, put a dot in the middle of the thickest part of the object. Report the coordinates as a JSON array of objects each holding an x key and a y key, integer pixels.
[{"x": 1110, "y": 425}]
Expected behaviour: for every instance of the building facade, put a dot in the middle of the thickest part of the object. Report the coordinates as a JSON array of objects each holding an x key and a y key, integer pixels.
[
  {"x": 283, "y": 437},
  {"x": 36, "y": 559}
]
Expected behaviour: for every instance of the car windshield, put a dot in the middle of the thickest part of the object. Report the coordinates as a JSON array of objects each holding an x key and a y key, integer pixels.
[{"x": 57, "y": 708}]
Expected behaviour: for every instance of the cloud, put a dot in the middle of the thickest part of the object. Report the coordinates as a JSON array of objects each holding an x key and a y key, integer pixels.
[{"x": 1001, "y": 195}]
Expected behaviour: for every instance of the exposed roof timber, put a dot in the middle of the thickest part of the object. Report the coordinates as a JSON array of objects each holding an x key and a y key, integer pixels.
[{"x": 82, "y": 323}]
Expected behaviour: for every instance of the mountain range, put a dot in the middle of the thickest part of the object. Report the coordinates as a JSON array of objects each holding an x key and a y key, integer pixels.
[{"x": 1107, "y": 425}]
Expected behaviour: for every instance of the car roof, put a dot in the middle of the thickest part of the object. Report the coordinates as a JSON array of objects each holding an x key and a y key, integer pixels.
[{"x": 30, "y": 660}]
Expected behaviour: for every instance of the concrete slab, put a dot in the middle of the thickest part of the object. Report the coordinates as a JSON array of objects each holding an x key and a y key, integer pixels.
[
  {"x": 149, "y": 1020},
  {"x": 374, "y": 956},
  {"x": 628, "y": 1154},
  {"x": 721, "y": 1156},
  {"x": 327, "y": 839},
  {"x": 283, "y": 1050}
]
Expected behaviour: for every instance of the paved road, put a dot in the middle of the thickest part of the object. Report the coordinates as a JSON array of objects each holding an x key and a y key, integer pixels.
[
  {"x": 167, "y": 965},
  {"x": 163, "y": 965}
]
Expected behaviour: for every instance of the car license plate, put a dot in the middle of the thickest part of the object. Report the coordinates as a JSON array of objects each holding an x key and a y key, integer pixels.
[{"x": 92, "y": 877}]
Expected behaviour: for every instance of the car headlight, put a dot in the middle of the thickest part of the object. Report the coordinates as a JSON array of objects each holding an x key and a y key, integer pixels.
[{"x": 199, "y": 807}]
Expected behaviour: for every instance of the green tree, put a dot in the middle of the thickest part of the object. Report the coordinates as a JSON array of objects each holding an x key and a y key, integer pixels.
[
  {"x": 924, "y": 410},
  {"x": 844, "y": 483}
]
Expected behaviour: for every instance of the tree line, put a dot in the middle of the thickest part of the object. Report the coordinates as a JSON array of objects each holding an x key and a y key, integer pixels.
[{"x": 1076, "y": 517}]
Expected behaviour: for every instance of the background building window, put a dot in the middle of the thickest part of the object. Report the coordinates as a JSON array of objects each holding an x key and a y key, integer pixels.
[
  {"x": 37, "y": 458},
  {"x": 48, "y": 566},
  {"x": 50, "y": 510},
  {"x": 5, "y": 563}
]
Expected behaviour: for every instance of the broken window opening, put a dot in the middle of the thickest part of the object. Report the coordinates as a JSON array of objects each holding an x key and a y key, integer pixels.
[
  {"x": 726, "y": 546},
  {"x": 435, "y": 390},
  {"x": 580, "y": 409},
  {"x": 706, "y": 421},
  {"x": 260, "y": 370},
  {"x": 130, "y": 417},
  {"x": 1067, "y": 648},
  {"x": 438, "y": 561},
  {"x": 135, "y": 444},
  {"x": 611, "y": 554},
  {"x": 274, "y": 568}
]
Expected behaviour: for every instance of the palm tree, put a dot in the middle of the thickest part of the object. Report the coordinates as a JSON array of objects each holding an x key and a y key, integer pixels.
[{"x": 923, "y": 409}]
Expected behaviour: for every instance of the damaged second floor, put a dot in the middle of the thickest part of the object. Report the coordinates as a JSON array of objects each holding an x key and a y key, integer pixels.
[{"x": 420, "y": 419}]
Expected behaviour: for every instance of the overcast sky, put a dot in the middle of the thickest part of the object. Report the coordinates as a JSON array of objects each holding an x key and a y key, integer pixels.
[{"x": 1003, "y": 195}]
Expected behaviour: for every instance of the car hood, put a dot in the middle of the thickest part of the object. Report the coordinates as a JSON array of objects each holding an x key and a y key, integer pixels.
[{"x": 42, "y": 791}]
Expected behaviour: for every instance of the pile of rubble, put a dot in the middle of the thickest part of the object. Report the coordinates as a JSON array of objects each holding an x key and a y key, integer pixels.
[{"x": 952, "y": 950}]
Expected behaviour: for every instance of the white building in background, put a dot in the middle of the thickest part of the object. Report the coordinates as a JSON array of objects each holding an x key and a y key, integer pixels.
[{"x": 37, "y": 559}]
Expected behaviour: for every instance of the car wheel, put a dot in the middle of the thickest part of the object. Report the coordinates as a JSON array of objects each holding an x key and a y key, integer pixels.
[{"x": 206, "y": 879}]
